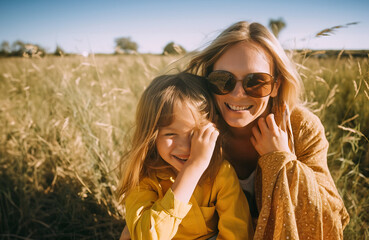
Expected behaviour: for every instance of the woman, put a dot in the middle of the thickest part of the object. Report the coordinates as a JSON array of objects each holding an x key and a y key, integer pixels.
[{"x": 280, "y": 158}]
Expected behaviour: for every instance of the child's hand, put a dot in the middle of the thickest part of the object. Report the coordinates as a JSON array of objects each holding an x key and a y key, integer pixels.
[
  {"x": 268, "y": 137},
  {"x": 202, "y": 145}
]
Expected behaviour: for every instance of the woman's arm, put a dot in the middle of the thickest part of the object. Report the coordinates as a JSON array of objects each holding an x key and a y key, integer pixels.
[{"x": 296, "y": 193}]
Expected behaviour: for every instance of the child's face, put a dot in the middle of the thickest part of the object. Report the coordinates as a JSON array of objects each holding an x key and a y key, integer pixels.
[{"x": 174, "y": 141}]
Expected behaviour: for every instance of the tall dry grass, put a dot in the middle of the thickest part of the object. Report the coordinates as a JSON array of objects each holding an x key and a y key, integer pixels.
[
  {"x": 338, "y": 92},
  {"x": 64, "y": 124},
  {"x": 63, "y": 127}
]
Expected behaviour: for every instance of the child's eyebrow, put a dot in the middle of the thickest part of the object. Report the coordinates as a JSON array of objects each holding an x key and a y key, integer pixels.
[
  {"x": 167, "y": 128},
  {"x": 176, "y": 129}
]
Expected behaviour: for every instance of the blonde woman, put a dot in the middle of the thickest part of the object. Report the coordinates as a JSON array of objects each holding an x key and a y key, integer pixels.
[
  {"x": 280, "y": 156},
  {"x": 175, "y": 184}
]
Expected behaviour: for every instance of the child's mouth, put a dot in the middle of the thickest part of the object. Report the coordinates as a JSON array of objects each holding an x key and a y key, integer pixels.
[{"x": 180, "y": 159}]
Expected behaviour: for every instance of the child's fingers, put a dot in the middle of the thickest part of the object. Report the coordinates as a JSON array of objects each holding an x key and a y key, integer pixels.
[
  {"x": 206, "y": 130},
  {"x": 202, "y": 128},
  {"x": 195, "y": 134},
  {"x": 214, "y": 135},
  {"x": 205, "y": 134}
]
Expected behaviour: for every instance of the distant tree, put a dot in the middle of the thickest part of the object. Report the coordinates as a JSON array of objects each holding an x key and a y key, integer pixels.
[
  {"x": 18, "y": 47},
  {"x": 276, "y": 25},
  {"x": 174, "y": 49},
  {"x": 5, "y": 48},
  {"x": 22, "y": 49},
  {"x": 59, "y": 51},
  {"x": 33, "y": 50},
  {"x": 125, "y": 45}
]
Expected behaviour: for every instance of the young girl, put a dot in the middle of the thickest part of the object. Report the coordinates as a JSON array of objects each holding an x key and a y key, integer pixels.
[{"x": 174, "y": 182}]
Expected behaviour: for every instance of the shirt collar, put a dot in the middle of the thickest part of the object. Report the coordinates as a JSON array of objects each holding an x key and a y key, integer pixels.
[{"x": 166, "y": 174}]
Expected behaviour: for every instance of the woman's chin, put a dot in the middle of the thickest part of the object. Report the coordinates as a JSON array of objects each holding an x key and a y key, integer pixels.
[{"x": 237, "y": 123}]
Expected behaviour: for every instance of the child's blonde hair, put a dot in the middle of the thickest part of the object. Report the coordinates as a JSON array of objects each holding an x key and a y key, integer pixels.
[
  {"x": 155, "y": 110},
  {"x": 290, "y": 82}
]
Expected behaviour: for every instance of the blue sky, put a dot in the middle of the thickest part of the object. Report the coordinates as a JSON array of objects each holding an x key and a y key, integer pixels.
[{"x": 92, "y": 25}]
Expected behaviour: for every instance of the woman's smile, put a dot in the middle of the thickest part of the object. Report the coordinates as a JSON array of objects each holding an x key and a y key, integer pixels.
[{"x": 238, "y": 108}]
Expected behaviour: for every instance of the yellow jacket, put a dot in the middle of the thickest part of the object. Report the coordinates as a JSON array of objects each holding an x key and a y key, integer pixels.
[
  {"x": 152, "y": 212},
  {"x": 295, "y": 194}
]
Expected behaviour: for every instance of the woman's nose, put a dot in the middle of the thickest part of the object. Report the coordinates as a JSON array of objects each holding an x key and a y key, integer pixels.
[{"x": 238, "y": 89}]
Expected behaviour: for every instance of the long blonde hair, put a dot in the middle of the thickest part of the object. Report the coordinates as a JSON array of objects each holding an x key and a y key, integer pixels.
[
  {"x": 290, "y": 82},
  {"x": 154, "y": 110}
]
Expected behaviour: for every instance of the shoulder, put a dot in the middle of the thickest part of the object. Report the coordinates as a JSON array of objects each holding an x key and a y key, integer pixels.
[
  {"x": 225, "y": 167},
  {"x": 308, "y": 131},
  {"x": 303, "y": 119},
  {"x": 148, "y": 188},
  {"x": 303, "y": 115},
  {"x": 149, "y": 183},
  {"x": 226, "y": 181},
  {"x": 226, "y": 172}
]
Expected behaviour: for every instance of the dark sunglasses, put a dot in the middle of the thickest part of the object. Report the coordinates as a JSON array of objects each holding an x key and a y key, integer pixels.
[{"x": 256, "y": 85}]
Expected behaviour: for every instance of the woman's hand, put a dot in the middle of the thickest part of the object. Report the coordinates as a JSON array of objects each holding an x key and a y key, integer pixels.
[
  {"x": 268, "y": 137},
  {"x": 202, "y": 145}
]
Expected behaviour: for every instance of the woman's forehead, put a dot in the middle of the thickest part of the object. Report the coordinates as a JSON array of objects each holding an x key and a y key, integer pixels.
[{"x": 244, "y": 58}]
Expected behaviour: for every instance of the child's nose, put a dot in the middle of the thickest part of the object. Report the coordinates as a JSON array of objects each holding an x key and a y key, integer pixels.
[{"x": 184, "y": 144}]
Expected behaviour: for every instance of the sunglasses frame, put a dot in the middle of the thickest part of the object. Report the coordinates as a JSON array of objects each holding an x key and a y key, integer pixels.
[{"x": 217, "y": 91}]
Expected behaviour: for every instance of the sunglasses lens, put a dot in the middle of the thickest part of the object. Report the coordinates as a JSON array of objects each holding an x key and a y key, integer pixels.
[
  {"x": 255, "y": 84},
  {"x": 221, "y": 82},
  {"x": 258, "y": 84}
]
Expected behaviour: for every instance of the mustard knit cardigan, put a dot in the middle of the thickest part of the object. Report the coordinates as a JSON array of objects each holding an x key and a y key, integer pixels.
[{"x": 295, "y": 193}]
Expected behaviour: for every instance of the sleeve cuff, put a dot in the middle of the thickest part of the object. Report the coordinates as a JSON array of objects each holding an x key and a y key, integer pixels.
[
  {"x": 175, "y": 207},
  {"x": 274, "y": 161}
]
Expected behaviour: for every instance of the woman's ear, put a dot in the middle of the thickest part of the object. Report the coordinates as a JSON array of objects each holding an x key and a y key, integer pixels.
[{"x": 277, "y": 84}]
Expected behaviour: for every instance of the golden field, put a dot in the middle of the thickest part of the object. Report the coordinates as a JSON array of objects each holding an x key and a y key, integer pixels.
[{"x": 65, "y": 123}]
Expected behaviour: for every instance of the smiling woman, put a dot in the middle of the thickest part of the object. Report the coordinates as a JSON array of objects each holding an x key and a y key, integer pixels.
[
  {"x": 289, "y": 187},
  {"x": 241, "y": 60}
]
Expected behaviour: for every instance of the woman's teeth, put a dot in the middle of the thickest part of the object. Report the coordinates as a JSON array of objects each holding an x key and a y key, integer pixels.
[{"x": 238, "y": 108}]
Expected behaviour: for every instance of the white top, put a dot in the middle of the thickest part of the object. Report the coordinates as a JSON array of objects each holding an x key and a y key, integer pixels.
[{"x": 248, "y": 184}]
